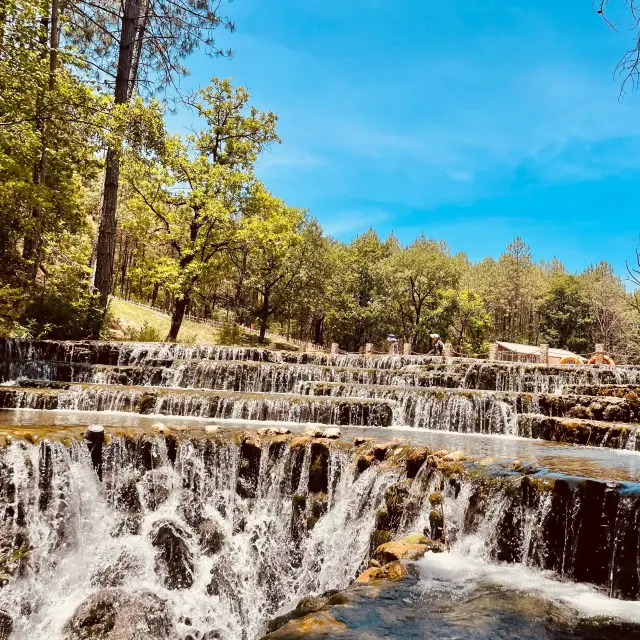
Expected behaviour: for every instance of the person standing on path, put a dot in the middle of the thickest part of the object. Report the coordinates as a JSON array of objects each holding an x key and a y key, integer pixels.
[{"x": 437, "y": 345}]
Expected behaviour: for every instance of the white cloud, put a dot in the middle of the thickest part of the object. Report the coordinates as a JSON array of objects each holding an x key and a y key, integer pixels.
[{"x": 353, "y": 220}]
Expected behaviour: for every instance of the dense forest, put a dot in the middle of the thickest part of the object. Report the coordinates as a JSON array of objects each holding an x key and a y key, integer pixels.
[{"x": 98, "y": 198}]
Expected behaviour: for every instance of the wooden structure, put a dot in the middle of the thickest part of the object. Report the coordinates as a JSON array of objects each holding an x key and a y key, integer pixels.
[{"x": 514, "y": 352}]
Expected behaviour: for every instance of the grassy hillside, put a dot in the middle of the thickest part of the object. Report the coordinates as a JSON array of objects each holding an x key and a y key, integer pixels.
[{"x": 132, "y": 322}]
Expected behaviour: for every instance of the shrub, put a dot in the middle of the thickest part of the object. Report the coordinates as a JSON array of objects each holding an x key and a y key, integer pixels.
[{"x": 145, "y": 333}]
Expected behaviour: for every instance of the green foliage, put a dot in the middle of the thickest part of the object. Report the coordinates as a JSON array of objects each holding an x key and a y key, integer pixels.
[
  {"x": 419, "y": 282},
  {"x": 470, "y": 323},
  {"x": 189, "y": 192},
  {"x": 10, "y": 562},
  {"x": 198, "y": 232},
  {"x": 145, "y": 333},
  {"x": 49, "y": 137},
  {"x": 230, "y": 334},
  {"x": 565, "y": 314},
  {"x": 357, "y": 310}
]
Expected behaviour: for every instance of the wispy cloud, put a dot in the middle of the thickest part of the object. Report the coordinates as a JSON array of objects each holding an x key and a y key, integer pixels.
[{"x": 354, "y": 220}]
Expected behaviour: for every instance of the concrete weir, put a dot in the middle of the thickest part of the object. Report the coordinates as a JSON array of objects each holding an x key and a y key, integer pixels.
[
  {"x": 575, "y": 404},
  {"x": 160, "y": 472}
]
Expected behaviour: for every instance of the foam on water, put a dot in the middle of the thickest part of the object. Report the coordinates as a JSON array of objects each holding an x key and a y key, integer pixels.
[{"x": 464, "y": 569}]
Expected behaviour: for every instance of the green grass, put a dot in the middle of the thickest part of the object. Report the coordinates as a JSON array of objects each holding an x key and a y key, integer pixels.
[{"x": 129, "y": 319}]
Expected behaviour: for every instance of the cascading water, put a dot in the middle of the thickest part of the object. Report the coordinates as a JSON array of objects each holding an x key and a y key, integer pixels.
[
  {"x": 233, "y": 383},
  {"x": 227, "y": 534},
  {"x": 213, "y": 537}
]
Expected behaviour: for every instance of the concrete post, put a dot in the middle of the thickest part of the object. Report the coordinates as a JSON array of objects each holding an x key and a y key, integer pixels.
[
  {"x": 448, "y": 350},
  {"x": 368, "y": 349},
  {"x": 599, "y": 354},
  {"x": 406, "y": 348},
  {"x": 493, "y": 351},
  {"x": 544, "y": 354},
  {"x": 94, "y": 437},
  {"x": 335, "y": 347}
]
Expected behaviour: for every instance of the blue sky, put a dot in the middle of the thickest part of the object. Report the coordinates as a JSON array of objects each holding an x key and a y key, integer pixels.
[{"x": 472, "y": 121}]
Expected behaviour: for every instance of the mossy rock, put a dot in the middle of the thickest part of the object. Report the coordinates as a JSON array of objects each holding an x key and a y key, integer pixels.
[{"x": 319, "y": 505}]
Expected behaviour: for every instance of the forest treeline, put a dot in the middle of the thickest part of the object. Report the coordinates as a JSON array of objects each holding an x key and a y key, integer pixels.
[{"x": 97, "y": 197}]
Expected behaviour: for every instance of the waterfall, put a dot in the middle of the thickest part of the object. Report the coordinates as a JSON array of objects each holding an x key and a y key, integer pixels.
[
  {"x": 568, "y": 404},
  {"x": 251, "y": 529},
  {"x": 223, "y": 534}
]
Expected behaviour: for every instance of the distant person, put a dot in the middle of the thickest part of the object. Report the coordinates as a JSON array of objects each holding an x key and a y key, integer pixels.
[
  {"x": 437, "y": 346},
  {"x": 393, "y": 343}
]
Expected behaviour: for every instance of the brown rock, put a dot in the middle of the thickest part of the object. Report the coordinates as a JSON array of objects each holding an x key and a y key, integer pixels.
[
  {"x": 391, "y": 571},
  {"x": 400, "y": 550},
  {"x": 321, "y": 623}
]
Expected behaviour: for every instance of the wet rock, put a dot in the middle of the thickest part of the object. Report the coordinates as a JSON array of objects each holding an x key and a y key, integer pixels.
[
  {"x": 331, "y": 432},
  {"x": 14, "y": 544},
  {"x": 147, "y": 403},
  {"x": 273, "y": 431},
  {"x": 390, "y": 571},
  {"x": 190, "y": 508},
  {"x": 319, "y": 468},
  {"x": 45, "y": 475},
  {"x": 211, "y": 536},
  {"x": 174, "y": 560},
  {"x": 310, "y": 604},
  {"x": 614, "y": 413},
  {"x": 248, "y": 474},
  {"x": 6, "y": 625},
  {"x": 410, "y": 548},
  {"x": 298, "y": 524},
  {"x": 581, "y": 412},
  {"x": 126, "y": 496},
  {"x": 313, "y": 432},
  {"x": 436, "y": 525},
  {"x": 379, "y": 537},
  {"x": 160, "y": 428},
  {"x": 129, "y": 524},
  {"x": 377, "y": 452},
  {"x": 116, "y": 573},
  {"x": 212, "y": 428},
  {"x": 319, "y": 505},
  {"x": 321, "y": 625},
  {"x": 224, "y": 585},
  {"x": 155, "y": 488},
  {"x": 111, "y": 614},
  {"x": 415, "y": 461},
  {"x": 396, "y": 497}
]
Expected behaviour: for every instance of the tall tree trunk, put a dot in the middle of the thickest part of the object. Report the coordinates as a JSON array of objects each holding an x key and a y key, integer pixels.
[
  {"x": 106, "y": 243},
  {"x": 31, "y": 248},
  {"x": 319, "y": 330},
  {"x": 264, "y": 318},
  {"x": 177, "y": 317},
  {"x": 154, "y": 295}
]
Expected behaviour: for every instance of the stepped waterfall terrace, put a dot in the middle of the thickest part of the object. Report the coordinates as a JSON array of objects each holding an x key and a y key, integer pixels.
[
  {"x": 198, "y": 534},
  {"x": 213, "y": 535}
]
